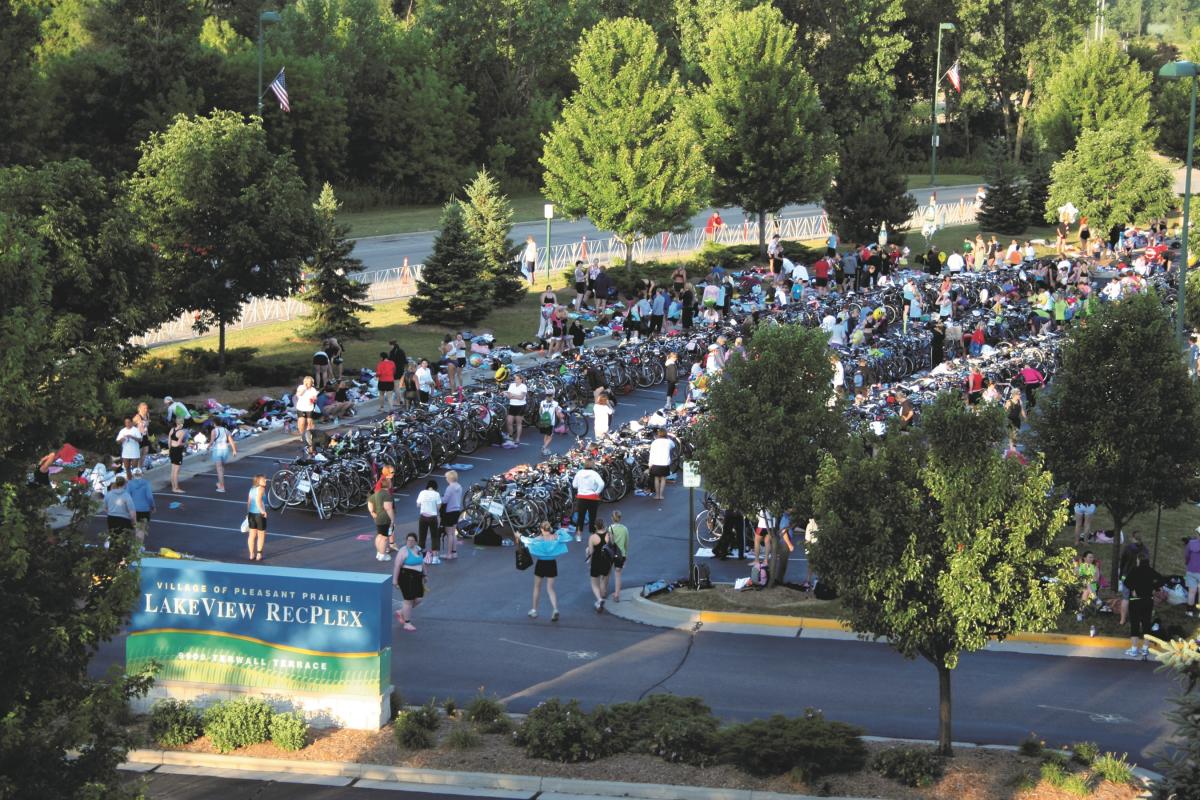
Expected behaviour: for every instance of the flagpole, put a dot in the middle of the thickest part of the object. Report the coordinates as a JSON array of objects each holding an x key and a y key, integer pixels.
[
  {"x": 937, "y": 80},
  {"x": 265, "y": 16}
]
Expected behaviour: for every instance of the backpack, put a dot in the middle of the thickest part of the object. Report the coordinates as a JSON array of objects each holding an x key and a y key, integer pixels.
[
  {"x": 759, "y": 574},
  {"x": 701, "y": 577},
  {"x": 546, "y": 413}
]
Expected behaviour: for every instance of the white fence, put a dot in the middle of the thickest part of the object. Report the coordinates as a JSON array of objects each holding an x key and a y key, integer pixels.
[{"x": 399, "y": 282}]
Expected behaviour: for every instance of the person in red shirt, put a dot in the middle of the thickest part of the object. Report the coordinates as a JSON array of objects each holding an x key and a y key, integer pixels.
[
  {"x": 714, "y": 224},
  {"x": 821, "y": 275},
  {"x": 974, "y": 386},
  {"x": 385, "y": 373}
]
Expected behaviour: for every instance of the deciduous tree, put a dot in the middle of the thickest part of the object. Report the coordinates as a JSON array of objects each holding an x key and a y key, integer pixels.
[
  {"x": 451, "y": 291},
  {"x": 1119, "y": 424},
  {"x": 938, "y": 543},
  {"x": 623, "y": 153},
  {"x": 333, "y": 295}
]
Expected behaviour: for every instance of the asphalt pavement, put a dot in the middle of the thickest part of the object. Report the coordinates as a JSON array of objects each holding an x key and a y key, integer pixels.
[
  {"x": 473, "y": 631},
  {"x": 383, "y": 252}
]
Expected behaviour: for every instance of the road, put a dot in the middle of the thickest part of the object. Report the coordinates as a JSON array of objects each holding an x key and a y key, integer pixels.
[
  {"x": 473, "y": 632},
  {"x": 382, "y": 252}
]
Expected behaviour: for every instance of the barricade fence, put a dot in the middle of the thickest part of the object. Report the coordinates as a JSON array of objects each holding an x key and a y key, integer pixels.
[{"x": 399, "y": 282}]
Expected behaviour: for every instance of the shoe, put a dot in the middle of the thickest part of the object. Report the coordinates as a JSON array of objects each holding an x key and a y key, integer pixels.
[
  {"x": 533, "y": 613},
  {"x": 220, "y": 490},
  {"x": 178, "y": 491},
  {"x": 1145, "y": 651},
  {"x": 408, "y": 626},
  {"x": 602, "y": 606},
  {"x": 436, "y": 560},
  {"x": 381, "y": 557},
  {"x": 554, "y": 616},
  {"x": 598, "y": 605},
  {"x": 578, "y": 538},
  {"x": 545, "y": 451},
  {"x": 506, "y": 543},
  {"x": 616, "y": 598},
  {"x": 1133, "y": 652}
]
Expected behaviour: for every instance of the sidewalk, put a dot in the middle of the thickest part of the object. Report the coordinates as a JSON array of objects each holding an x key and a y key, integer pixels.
[{"x": 648, "y": 612}]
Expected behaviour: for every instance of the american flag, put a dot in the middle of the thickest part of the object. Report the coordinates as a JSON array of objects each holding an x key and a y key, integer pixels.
[
  {"x": 279, "y": 87},
  {"x": 951, "y": 75}
]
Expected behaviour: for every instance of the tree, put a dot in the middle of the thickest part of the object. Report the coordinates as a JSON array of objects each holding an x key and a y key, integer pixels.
[
  {"x": 1119, "y": 425},
  {"x": 1111, "y": 177},
  {"x": 487, "y": 215},
  {"x": 763, "y": 156},
  {"x": 60, "y": 734},
  {"x": 450, "y": 290},
  {"x": 1005, "y": 208},
  {"x": 872, "y": 185},
  {"x": 1093, "y": 83},
  {"x": 333, "y": 297},
  {"x": 1181, "y": 771},
  {"x": 767, "y": 426},
  {"x": 227, "y": 217},
  {"x": 940, "y": 544},
  {"x": 694, "y": 19},
  {"x": 622, "y": 153}
]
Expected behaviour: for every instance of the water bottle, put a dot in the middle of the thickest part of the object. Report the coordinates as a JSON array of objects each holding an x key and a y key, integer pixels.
[{"x": 1092, "y": 632}]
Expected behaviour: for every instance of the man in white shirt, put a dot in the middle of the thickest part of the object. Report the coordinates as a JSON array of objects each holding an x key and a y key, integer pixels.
[
  {"x": 955, "y": 263},
  {"x": 305, "y": 400},
  {"x": 775, "y": 253},
  {"x": 529, "y": 257},
  {"x": 517, "y": 394},
  {"x": 588, "y": 485},
  {"x": 660, "y": 462}
]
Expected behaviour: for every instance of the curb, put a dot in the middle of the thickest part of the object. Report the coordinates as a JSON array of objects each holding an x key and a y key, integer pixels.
[{"x": 649, "y": 612}]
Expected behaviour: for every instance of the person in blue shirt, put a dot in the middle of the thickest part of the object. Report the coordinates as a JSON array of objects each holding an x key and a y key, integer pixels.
[
  {"x": 142, "y": 495},
  {"x": 658, "y": 310}
]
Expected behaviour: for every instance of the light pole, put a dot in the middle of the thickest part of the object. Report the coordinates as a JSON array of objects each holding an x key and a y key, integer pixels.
[
  {"x": 1179, "y": 70},
  {"x": 266, "y": 16},
  {"x": 548, "y": 213},
  {"x": 937, "y": 81}
]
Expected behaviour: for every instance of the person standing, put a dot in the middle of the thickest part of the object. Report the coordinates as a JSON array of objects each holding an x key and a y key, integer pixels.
[
  {"x": 1191, "y": 577},
  {"x": 550, "y": 415},
  {"x": 130, "y": 439},
  {"x": 545, "y": 548},
  {"x": 142, "y": 421},
  {"x": 176, "y": 445},
  {"x": 448, "y": 358},
  {"x": 429, "y": 527},
  {"x": 1141, "y": 582},
  {"x": 222, "y": 446},
  {"x": 320, "y": 364},
  {"x": 305, "y": 400},
  {"x": 397, "y": 356},
  {"x": 660, "y": 462},
  {"x": 408, "y": 575},
  {"x": 601, "y": 416},
  {"x": 687, "y": 306},
  {"x": 658, "y": 310},
  {"x": 529, "y": 257},
  {"x": 336, "y": 353},
  {"x": 408, "y": 387},
  {"x": 600, "y": 564},
  {"x": 385, "y": 375},
  {"x": 588, "y": 485},
  {"x": 142, "y": 495},
  {"x": 452, "y": 500},
  {"x": 671, "y": 374},
  {"x": 256, "y": 517},
  {"x": 618, "y": 534},
  {"x": 518, "y": 395},
  {"x": 460, "y": 357},
  {"x": 775, "y": 254},
  {"x": 714, "y": 225},
  {"x": 383, "y": 512},
  {"x": 424, "y": 382},
  {"x": 176, "y": 411},
  {"x": 547, "y": 303},
  {"x": 118, "y": 508},
  {"x": 581, "y": 281}
]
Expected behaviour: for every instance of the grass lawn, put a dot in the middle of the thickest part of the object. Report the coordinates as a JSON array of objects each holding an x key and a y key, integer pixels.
[
  {"x": 920, "y": 180},
  {"x": 952, "y": 237},
  {"x": 412, "y": 219}
]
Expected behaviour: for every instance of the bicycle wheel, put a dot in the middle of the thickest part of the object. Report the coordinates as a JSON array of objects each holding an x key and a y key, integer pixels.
[
  {"x": 615, "y": 487},
  {"x": 469, "y": 442},
  {"x": 471, "y": 521},
  {"x": 326, "y": 498},
  {"x": 577, "y": 423},
  {"x": 708, "y": 530},
  {"x": 280, "y": 489},
  {"x": 522, "y": 514}
]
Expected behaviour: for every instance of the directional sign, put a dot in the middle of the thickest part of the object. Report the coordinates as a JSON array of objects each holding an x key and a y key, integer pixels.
[{"x": 691, "y": 475}]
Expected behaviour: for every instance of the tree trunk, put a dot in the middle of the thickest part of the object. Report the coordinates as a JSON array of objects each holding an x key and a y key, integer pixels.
[
  {"x": 1023, "y": 112},
  {"x": 944, "y": 748},
  {"x": 629, "y": 255},
  {"x": 1114, "y": 569},
  {"x": 221, "y": 345},
  {"x": 779, "y": 559},
  {"x": 1006, "y": 115},
  {"x": 762, "y": 233}
]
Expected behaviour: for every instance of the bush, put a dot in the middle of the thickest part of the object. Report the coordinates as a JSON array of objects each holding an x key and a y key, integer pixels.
[
  {"x": 1113, "y": 768},
  {"x": 634, "y": 727},
  {"x": 397, "y": 703},
  {"x": 1057, "y": 776},
  {"x": 485, "y": 710},
  {"x": 238, "y": 723},
  {"x": 450, "y": 706},
  {"x": 174, "y": 723},
  {"x": 502, "y": 725},
  {"x": 1031, "y": 745},
  {"x": 810, "y": 743},
  {"x": 1084, "y": 753},
  {"x": 688, "y": 740},
  {"x": 427, "y": 716},
  {"x": 558, "y": 731},
  {"x": 909, "y": 766},
  {"x": 411, "y": 732},
  {"x": 463, "y": 737},
  {"x": 289, "y": 731},
  {"x": 269, "y": 374}
]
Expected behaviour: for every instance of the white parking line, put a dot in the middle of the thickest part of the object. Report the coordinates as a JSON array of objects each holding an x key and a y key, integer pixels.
[
  {"x": 477, "y": 458},
  {"x": 200, "y": 497},
  {"x": 157, "y": 521}
]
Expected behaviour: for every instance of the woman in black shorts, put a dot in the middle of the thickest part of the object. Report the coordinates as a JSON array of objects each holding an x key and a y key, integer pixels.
[
  {"x": 546, "y": 547},
  {"x": 408, "y": 575},
  {"x": 600, "y": 564},
  {"x": 176, "y": 440}
]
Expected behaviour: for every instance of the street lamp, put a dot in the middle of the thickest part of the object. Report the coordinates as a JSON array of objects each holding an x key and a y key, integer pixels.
[
  {"x": 937, "y": 80},
  {"x": 548, "y": 213},
  {"x": 266, "y": 16},
  {"x": 1179, "y": 70}
]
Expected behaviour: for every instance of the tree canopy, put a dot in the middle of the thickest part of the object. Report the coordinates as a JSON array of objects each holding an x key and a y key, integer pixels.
[
  {"x": 451, "y": 290},
  {"x": 487, "y": 215},
  {"x": 334, "y": 296}
]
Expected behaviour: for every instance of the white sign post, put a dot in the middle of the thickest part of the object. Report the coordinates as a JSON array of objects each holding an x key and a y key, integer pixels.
[
  {"x": 691, "y": 481},
  {"x": 691, "y": 475}
]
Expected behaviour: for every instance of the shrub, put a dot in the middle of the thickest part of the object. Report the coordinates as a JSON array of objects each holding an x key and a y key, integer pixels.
[
  {"x": 410, "y": 731},
  {"x": 463, "y": 737},
  {"x": 289, "y": 731},
  {"x": 450, "y": 706},
  {"x": 427, "y": 716},
  {"x": 634, "y": 727},
  {"x": 688, "y": 740},
  {"x": 1057, "y": 775},
  {"x": 174, "y": 723},
  {"x": 485, "y": 710},
  {"x": 909, "y": 766},
  {"x": 1084, "y": 752},
  {"x": 267, "y": 374},
  {"x": 1031, "y": 745},
  {"x": 778, "y": 745},
  {"x": 397, "y": 703},
  {"x": 503, "y": 725},
  {"x": 238, "y": 723},
  {"x": 558, "y": 731},
  {"x": 1113, "y": 768}
]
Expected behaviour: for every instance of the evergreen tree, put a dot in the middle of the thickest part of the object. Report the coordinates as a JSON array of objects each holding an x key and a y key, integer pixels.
[
  {"x": 871, "y": 186},
  {"x": 331, "y": 294},
  {"x": 451, "y": 290},
  {"x": 487, "y": 215},
  {"x": 1005, "y": 209},
  {"x": 1037, "y": 185},
  {"x": 1181, "y": 771}
]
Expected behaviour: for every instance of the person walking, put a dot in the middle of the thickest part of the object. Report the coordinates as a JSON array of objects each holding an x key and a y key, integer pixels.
[
  {"x": 383, "y": 512},
  {"x": 452, "y": 503},
  {"x": 130, "y": 439},
  {"x": 256, "y": 517},
  {"x": 518, "y": 394},
  {"x": 142, "y": 495},
  {"x": 600, "y": 564},
  {"x": 602, "y": 414},
  {"x": 385, "y": 375},
  {"x": 588, "y": 485},
  {"x": 671, "y": 374},
  {"x": 408, "y": 575},
  {"x": 176, "y": 446},
  {"x": 305, "y": 401},
  {"x": 618, "y": 534},
  {"x": 428, "y": 506},
  {"x": 550, "y": 415},
  {"x": 1141, "y": 582},
  {"x": 221, "y": 447},
  {"x": 660, "y": 462},
  {"x": 118, "y": 508},
  {"x": 545, "y": 548}
]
